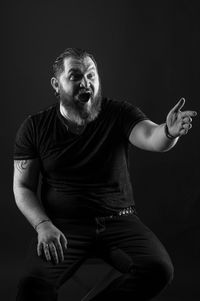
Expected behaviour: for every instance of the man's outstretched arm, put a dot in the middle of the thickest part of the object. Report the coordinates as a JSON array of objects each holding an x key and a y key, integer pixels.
[
  {"x": 51, "y": 241},
  {"x": 160, "y": 138}
]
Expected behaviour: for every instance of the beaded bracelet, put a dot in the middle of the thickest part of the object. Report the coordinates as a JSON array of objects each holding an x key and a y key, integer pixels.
[{"x": 167, "y": 133}]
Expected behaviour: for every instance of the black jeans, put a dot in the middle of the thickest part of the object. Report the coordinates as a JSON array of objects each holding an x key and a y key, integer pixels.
[{"x": 122, "y": 241}]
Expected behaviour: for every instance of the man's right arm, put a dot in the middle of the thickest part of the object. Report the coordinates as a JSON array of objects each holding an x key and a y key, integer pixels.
[
  {"x": 51, "y": 240},
  {"x": 25, "y": 183}
]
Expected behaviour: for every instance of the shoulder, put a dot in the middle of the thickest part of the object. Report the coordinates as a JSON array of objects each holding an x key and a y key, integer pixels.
[
  {"x": 41, "y": 117},
  {"x": 44, "y": 113},
  {"x": 115, "y": 105},
  {"x": 122, "y": 107},
  {"x": 118, "y": 104},
  {"x": 33, "y": 121}
]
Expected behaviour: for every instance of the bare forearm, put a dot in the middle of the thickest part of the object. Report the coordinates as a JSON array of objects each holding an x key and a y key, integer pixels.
[
  {"x": 160, "y": 141},
  {"x": 29, "y": 205}
]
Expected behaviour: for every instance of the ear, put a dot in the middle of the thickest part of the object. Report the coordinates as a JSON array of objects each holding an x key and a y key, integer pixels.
[{"x": 54, "y": 83}]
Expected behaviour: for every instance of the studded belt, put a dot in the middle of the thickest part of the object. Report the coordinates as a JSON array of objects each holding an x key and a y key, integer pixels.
[
  {"x": 127, "y": 211},
  {"x": 123, "y": 212}
]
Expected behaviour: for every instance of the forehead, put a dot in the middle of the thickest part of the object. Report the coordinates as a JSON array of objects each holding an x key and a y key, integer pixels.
[{"x": 80, "y": 64}]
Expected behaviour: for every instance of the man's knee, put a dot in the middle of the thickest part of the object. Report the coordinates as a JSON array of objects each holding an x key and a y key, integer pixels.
[
  {"x": 32, "y": 288},
  {"x": 150, "y": 279},
  {"x": 163, "y": 272},
  {"x": 158, "y": 276}
]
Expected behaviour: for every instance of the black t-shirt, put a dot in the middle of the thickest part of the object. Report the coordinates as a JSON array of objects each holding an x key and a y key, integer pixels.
[{"x": 84, "y": 173}]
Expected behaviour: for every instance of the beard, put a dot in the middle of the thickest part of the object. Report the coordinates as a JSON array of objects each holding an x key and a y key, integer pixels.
[{"x": 81, "y": 111}]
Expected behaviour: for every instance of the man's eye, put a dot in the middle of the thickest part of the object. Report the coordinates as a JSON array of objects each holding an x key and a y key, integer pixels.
[
  {"x": 75, "y": 77},
  {"x": 91, "y": 76}
]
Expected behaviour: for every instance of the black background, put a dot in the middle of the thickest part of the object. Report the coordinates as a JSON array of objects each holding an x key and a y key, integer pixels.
[{"x": 148, "y": 54}]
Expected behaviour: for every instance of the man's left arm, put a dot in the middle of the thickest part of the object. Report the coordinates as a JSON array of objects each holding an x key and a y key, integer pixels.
[{"x": 153, "y": 137}]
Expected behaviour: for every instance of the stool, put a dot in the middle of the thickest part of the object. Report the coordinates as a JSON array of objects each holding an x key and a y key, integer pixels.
[{"x": 91, "y": 278}]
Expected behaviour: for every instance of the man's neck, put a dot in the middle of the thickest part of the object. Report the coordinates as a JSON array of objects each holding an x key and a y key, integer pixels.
[{"x": 72, "y": 118}]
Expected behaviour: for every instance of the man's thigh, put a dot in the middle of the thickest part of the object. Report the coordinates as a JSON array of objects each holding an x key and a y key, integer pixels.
[
  {"x": 79, "y": 236},
  {"x": 128, "y": 243}
]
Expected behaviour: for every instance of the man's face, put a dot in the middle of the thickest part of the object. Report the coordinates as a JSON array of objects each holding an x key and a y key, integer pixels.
[{"x": 79, "y": 88}]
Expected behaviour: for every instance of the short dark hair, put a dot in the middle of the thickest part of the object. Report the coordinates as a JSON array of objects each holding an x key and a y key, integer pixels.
[{"x": 77, "y": 53}]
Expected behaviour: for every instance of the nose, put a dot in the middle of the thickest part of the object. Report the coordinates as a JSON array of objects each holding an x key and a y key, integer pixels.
[{"x": 85, "y": 83}]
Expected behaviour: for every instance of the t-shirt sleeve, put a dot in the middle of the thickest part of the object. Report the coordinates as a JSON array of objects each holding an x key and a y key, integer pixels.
[
  {"x": 25, "y": 141},
  {"x": 130, "y": 116}
]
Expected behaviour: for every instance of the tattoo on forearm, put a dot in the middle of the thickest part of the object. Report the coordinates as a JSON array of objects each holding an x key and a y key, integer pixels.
[{"x": 21, "y": 165}]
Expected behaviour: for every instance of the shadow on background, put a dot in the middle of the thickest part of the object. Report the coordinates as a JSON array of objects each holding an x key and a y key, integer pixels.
[{"x": 148, "y": 54}]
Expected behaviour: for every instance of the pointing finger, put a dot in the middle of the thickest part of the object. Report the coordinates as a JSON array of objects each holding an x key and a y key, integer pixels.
[
  {"x": 188, "y": 114},
  {"x": 179, "y": 105}
]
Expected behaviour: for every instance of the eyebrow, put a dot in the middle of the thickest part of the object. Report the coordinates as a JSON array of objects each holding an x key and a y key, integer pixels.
[
  {"x": 73, "y": 69},
  {"x": 78, "y": 70}
]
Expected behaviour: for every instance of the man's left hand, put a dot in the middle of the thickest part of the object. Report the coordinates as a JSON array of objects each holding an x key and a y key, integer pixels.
[{"x": 179, "y": 122}]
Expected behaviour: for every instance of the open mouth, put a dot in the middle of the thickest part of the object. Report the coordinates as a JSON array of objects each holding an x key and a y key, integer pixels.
[{"x": 84, "y": 96}]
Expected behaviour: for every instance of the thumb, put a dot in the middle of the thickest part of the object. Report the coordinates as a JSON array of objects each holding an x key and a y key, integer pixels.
[{"x": 179, "y": 105}]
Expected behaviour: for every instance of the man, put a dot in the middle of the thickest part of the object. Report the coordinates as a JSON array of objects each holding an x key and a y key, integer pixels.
[{"x": 80, "y": 147}]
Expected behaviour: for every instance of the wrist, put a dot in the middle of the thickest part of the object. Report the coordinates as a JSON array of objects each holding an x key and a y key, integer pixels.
[
  {"x": 167, "y": 133},
  {"x": 42, "y": 223}
]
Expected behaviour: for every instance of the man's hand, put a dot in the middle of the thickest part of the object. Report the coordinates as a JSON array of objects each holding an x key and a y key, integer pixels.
[
  {"x": 52, "y": 242},
  {"x": 179, "y": 122}
]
